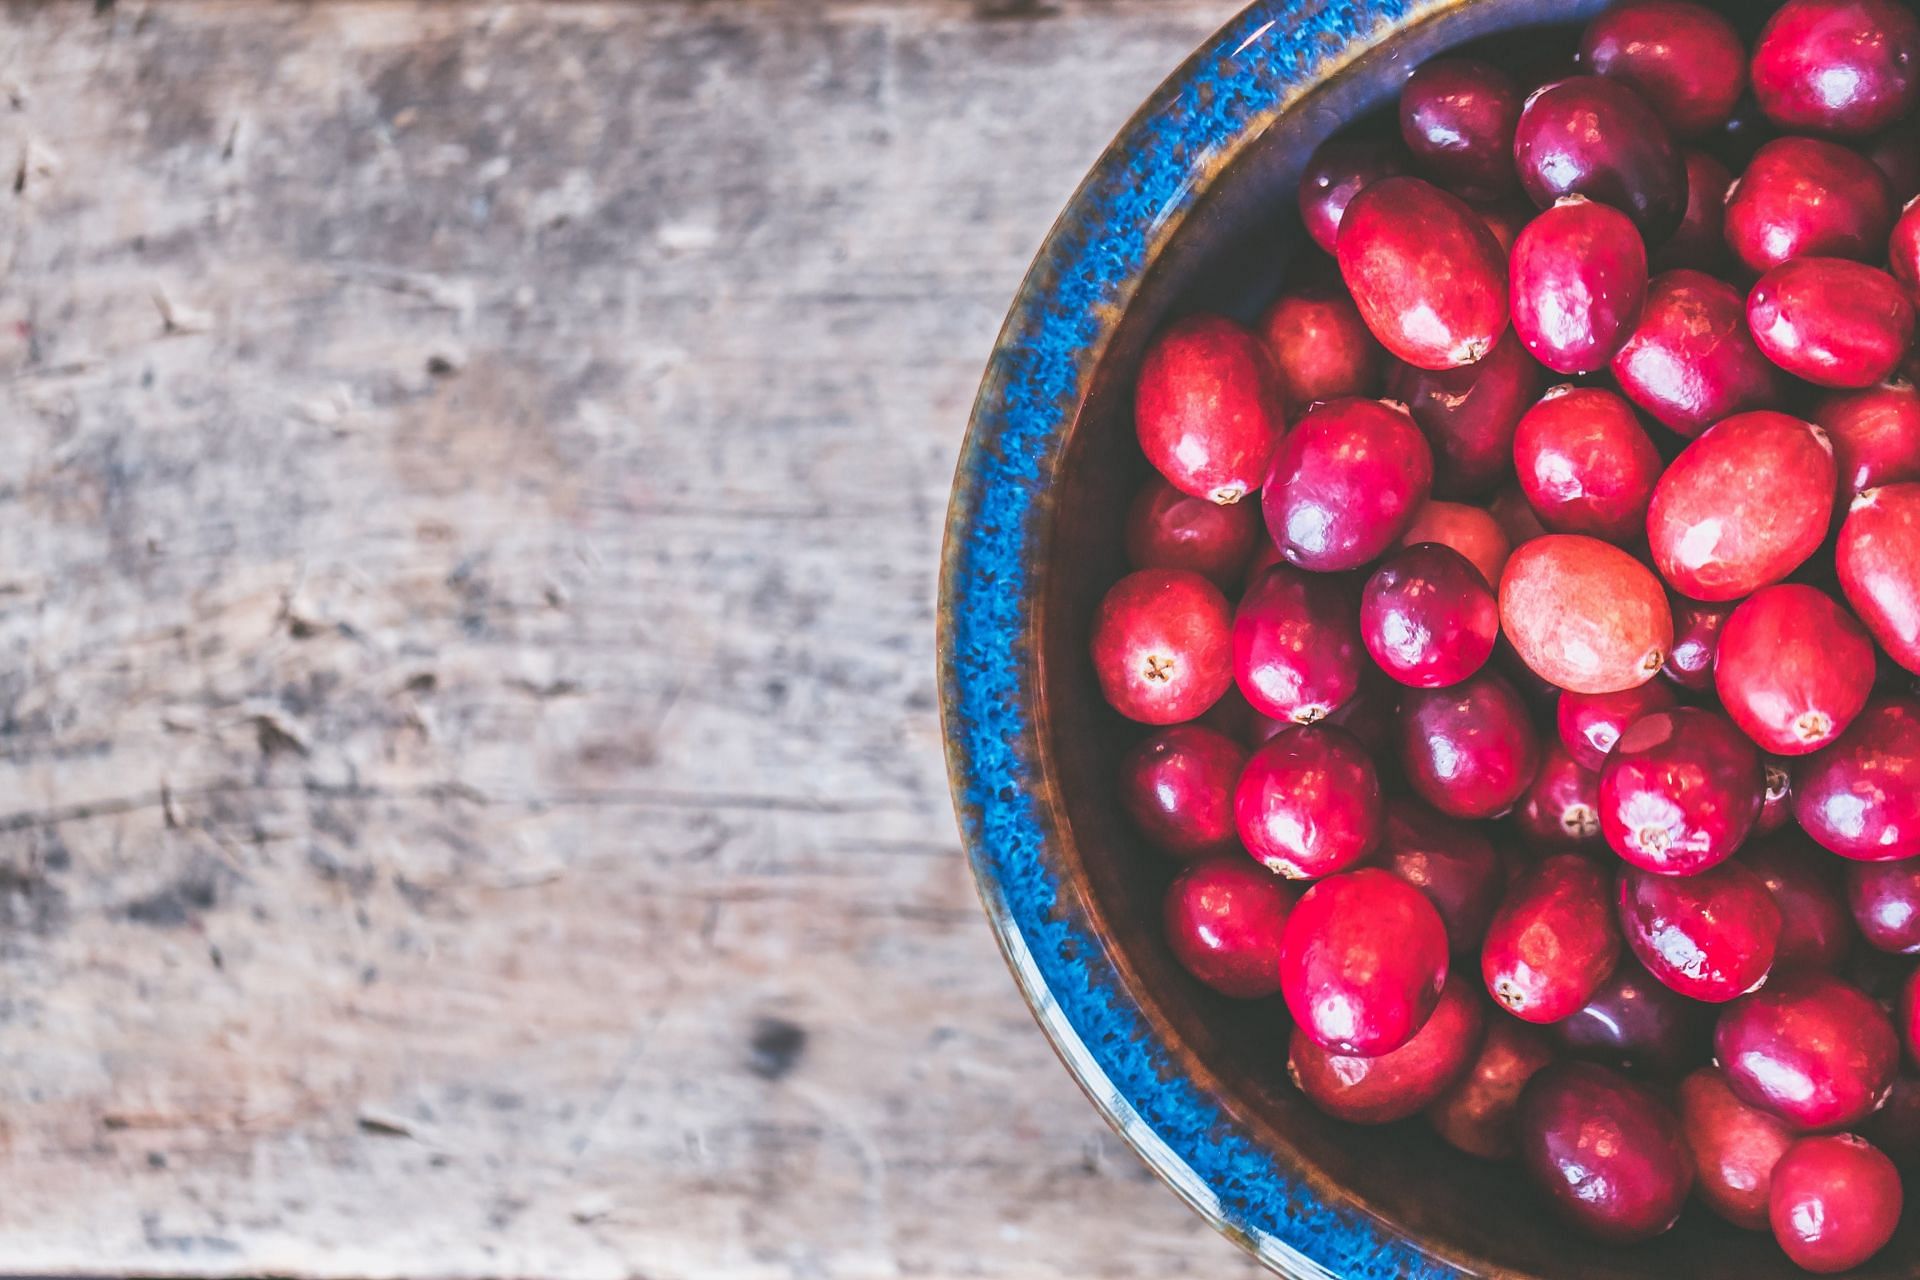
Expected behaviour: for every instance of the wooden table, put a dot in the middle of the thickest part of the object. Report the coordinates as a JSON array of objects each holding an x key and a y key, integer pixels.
[{"x": 471, "y": 791}]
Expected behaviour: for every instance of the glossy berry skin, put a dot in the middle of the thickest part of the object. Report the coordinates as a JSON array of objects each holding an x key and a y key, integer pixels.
[
  {"x": 1793, "y": 668},
  {"x": 1177, "y": 786},
  {"x": 1816, "y": 930},
  {"x": 1701, "y": 242},
  {"x": 1684, "y": 59},
  {"x": 1885, "y": 900},
  {"x": 1296, "y": 652},
  {"x": 1469, "y": 415},
  {"x": 1561, "y": 807},
  {"x": 1696, "y": 643},
  {"x": 1576, "y": 281},
  {"x": 1595, "y": 137},
  {"x": 1711, "y": 937},
  {"x": 1734, "y": 1146},
  {"x": 1162, "y": 645},
  {"x": 1586, "y": 464},
  {"x": 1584, "y": 614},
  {"x": 1903, "y": 247},
  {"x": 1167, "y": 529},
  {"x": 1875, "y": 435},
  {"x": 1476, "y": 1113},
  {"x": 1844, "y": 67},
  {"x": 1339, "y": 171},
  {"x": 1813, "y": 1050},
  {"x": 1362, "y": 962},
  {"x": 1223, "y": 918},
  {"x": 1878, "y": 558},
  {"x": 1320, "y": 348},
  {"x": 1308, "y": 803},
  {"x": 1742, "y": 506},
  {"x": 1553, "y": 941},
  {"x": 1832, "y": 322},
  {"x": 1450, "y": 862},
  {"x": 1468, "y": 750},
  {"x": 1428, "y": 276},
  {"x": 1457, "y": 117},
  {"x": 1345, "y": 484},
  {"x": 1471, "y": 531},
  {"x": 1428, "y": 618},
  {"x": 1834, "y": 1202},
  {"x": 1861, "y": 796},
  {"x": 1591, "y": 723},
  {"x": 1690, "y": 361},
  {"x": 1804, "y": 197},
  {"x": 1637, "y": 1024},
  {"x": 1207, "y": 408},
  {"x": 1607, "y": 1152},
  {"x": 1401, "y": 1082},
  {"x": 1680, "y": 792}
]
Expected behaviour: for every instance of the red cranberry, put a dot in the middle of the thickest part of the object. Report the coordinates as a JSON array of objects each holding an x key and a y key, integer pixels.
[
  {"x": 1635, "y": 1023},
  {"x": 1879, "y": 563},
  {"x": 1885, "y": 898},
  {"x": 1816, "y": 1051},
  {"x": 1833, "y": 322},
  {"x": 1861, "y": 796},
  {"x": 1363, "y": 961},
  {"x": 1776, "y": 806},
  {"x": 1834, "y": 1202},
  {"x": 1607, "y": 1152},
  {"x": 1591, "y": 723},
  {"x": 1339, "y": 171},
  {"x": 1815, "y": 928},
  {"x": 1594, "y": 137},
  {"x": 1162, "y": 646},
  {"x": 1742, "y": 506},
  {"x": 1875, "y": 435},
  {"x": 1224, "y": 917},
  {"x": 1427, "y": 275},
  {"x": 1561, "y": 807},
  {"x": 1177, "y": 786},
  {"x": 1553, "y": 941},
  {"x": 1837, "y": 66},
  {"x": 1428, "y": 617},
  {"x": 1345, "y": 483},
  {"x": 1469, "y": 750},
  {"x": 1709, "y": 936},
  {"x": 1680, "y": 791},
  {"x": 1584, "y": 614},
  {"x": 1586, "y": 464},
  {"x": 1696, "y": 643},
  {"x": 1457, "y": 117},
  {"x": 1903, "y": 247},
  {"x": 1450, "y": 862},
  {"x": 1734, "y": 1147},
  {"x": 1794, "y": 668},
  {"x": 1469, "y": 415},
  {"x": 1309, "y": 804},
  {"x": 1207, "y": 408},
  {"x": 1296, "y": 650},
  {"x": 1401, "y": 1082},
  {"x": 1906, "y": 1008},
  {"x": 1373, "y": 714},
  {"x": 1579, "y": 275},
  {"x": 1686, "y": 60},
  {"x": 1701, "y": 242},
  {"x": 1804, "y": 196},
  {"x": 1476, "y": 1113},
  {"x": 1166, "y": 529},
  {"x": 1321, "y": 348},
  {"x": 1690, "y": 361},
  {"x": 1471, "y": 531}
]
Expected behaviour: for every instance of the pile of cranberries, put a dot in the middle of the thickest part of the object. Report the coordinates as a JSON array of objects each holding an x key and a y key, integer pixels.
[{"x": 1528, "y": 607}]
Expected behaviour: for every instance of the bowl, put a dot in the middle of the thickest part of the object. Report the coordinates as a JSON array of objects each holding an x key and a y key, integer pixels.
[{"x": 1190, "y": 208}]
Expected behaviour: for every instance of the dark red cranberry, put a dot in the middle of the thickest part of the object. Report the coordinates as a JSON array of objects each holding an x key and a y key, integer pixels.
[
  {"x": 1345, "y": 484},
  {"x": 1471, "y": 531},
  {"x": 1401, "y": 1082},
  {"x": 1805, "y": 196},
  {"x": 1794, "y": 668},
  {"x": 1680, "y": 791},
  {"x": 1844, "y": 67},
  {"x": 1235, "y": 717},
  {"x": 1584, "y": 614},
  {"x": 1339, "y": 171},
  {"x": 1815, "y": 928},
  {"x": 1903, "y": 248},
  {"x": 1710, "y": 936},
  {"x": 1906, "y": 1009},
  {"x": 1207, "y": 408},
  {"x": 1834, "y": 1202},
  {"x": 1177, "y": 786},
  {"x": 1734, "y": 1147},
  {"x": 1896, "y": 153},
  {"x": 1635, "y": 1023},
  {"x": 1696, "y": 643},
  {"x": 1296, "y": 650},
  {"x": 1875, "y": 435},
  {"x": 1505, "y": 217},
  {"x": 1514, "y": 514},
  {"x": 1879, "y": 563},
  {"x": 1833, "y": 322},
  {"x": 1861, "y": 796},
  {"x": 1450, "y": 862},
  {"x": 1469, "y": 750},
  {"x": 1457, "y": 117},
  {"x": 1701, "y": 242},
  {"x": 1321, "y": 348},
  {"x": 1607, "y": 1152},
  {"x": 1885, "y": 899},
  {"x": 1776, "y": 807},
  {"x": 1578, "y": 277},
  {"x": 1429, "y": 278},
  {"x": 1586, "y": 464},
  {"x": 1690, "y": 361},
  {"x": 1476, "y": 1113},
  {"x": 1594, "y": 137},
  {"x": 1428, "y": 617},
  {"x": 1363, "y": 961},
  {"x": 1162, "y": 645},
  {"x": 1561, "y": 807},
  {"x": 1591, "y": 723},
  {"x": 1309, "y": 803},
  {"x": 1686, "y": 60},
  {"x": 1166, "y": 529},
  {"x": 1469, "y": 415},
  {"x": 1372, "y": 715},
  {"x": 1224, "y": 917},
  {"x": 1816, "y": 1051},
  {"x": 1895, "y": 1127},
  {"x": 1742, "y": 506},
  {"x": 1553, "y": 941}
]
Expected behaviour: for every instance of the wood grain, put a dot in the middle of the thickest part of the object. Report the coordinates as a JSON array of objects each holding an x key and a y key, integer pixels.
[{"x": 470, "y": 791}]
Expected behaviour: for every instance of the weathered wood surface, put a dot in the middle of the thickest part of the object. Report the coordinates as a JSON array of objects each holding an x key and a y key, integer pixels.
[{"x": 470, "y": 790}]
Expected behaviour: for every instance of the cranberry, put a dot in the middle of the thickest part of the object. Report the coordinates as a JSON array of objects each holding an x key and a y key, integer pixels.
[
  {"x": 1265, "y": 556},
  {"x": 1362, "y": 961},
  {"x": 1561, "y": 807},
  {"x": 1208, "y": 408},
  {"x": 1745, "y": 132},
  {"x": 1595, "y": 137},
  {"x": 1373, "y": 714},
  {"x": 1162, "y": 646},
  {"x": 1885, "y": 898},
  {"x": 1816, "y": 1051},
  {"x": 1907, "y": 1010},
  {"x": 1401, "y": 1082},
  {"x": 1321, "y": 348},
  {"x": 1635, "y": 1023},
  {"x": 1505, "y": 217},
  {"x": 1553, "y": 941},
  {"x": 1471, "y": 531},
  {"x": 1875, "y": 435},
  {"x": 1690, "y": 361},
  {"x": 1427, "y": 275},
  {"x": 1803, "y": 196},
  {"x": 1177, "y": 786},
  {"x": 1457, "y": 117},
  {"x": 1607, "y": 1152},
  {"x": 1308, "y": 803},
  {"x": 1861, "y": 796},
  {"x": 1879, "y": 563},
  {"x": 1776, "y": 806},
  {"x": 1224, "y": 918},
  {"x": 1696, "y": 643},
  {"x": 1469, "y": 750},
  {"x": 1296, "y": 650},
  {"x": 1476, "y": 1113},
  {"x": 1742, "y": 506},
  {"x": 1428, "y": 617},
  {"x": 1591, "y": 723},
  {"x": 1166, "y": 529},
  {"x": 1794, "y": 668},
  {"x": 1584, "y": 614},
  {"x": 1834, "y": 1202},
  {"x": 1734, "y": 1147},
  {"x": 1450, "y": 862},
  {"x": 1686, "y": 60},
  {"x": 1837, "y": 66},
  {"x": 1895, "y": 1127},
  {"x": 1903, "y": 248},
  {"x": 1701, "y": 241},
  {"x": 1586, "y": 464},
  {"x": 1833, "y": 322},
  {"x": 1469, "y": 415},
  {"x": 1815, "y": 929},
  {"x": 1514, "y": 514},
  {"x": 1339, "y": 171},
  {"x": 1345, "y": 483},
  {"x": 1710, "y": 936},
  {"x": 1680, "y": 791},
  {"x": 1579, "y": 275}
]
